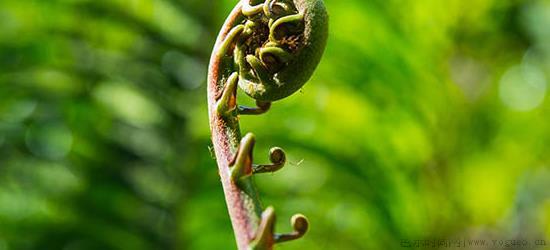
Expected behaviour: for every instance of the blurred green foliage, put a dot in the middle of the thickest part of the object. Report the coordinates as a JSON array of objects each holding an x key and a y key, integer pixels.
[{"x": 426, "y": 119}]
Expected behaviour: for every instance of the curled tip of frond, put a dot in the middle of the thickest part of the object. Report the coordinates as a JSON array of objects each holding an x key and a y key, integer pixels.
[
  {"x": 277, "y": 157},
  {"x": 300, "y": 224}
]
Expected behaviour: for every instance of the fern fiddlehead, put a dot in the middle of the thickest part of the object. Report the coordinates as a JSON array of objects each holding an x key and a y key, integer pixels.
[{"x": 268, "y": 48}]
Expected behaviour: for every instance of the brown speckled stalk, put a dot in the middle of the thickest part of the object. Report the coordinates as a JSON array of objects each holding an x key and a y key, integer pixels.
[{"x": 244, "y": 208}]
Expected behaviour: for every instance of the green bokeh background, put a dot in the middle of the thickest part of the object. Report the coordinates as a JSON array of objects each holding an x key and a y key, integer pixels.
[{"x": 426, "y": 119}]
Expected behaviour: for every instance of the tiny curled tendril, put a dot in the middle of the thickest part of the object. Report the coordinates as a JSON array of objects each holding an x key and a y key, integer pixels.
[{"x": 269, "y": 49}]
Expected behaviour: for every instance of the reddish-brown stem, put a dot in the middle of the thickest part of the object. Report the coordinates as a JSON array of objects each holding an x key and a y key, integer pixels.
[{"x": 242, "y": 202}]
